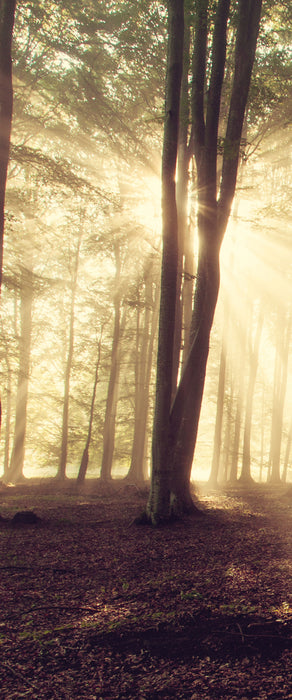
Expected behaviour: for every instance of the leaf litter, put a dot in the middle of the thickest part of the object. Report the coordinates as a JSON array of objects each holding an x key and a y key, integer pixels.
[{"x": 95, "y": 607}]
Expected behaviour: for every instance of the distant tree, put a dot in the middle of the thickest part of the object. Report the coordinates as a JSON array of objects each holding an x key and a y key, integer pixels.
[
  {"x": 254, "y": 338},
  {"x": 61, "y": 474},
  {"x": 147, "y": 319},
  {"x": 7, "y": 13},
  {"x": 287, "y": 454},
  {"x": 26, "y": 292},
  {"x": 283, "y": 340},
  {"x": 85, "y": 456},
  {"x": 213, "y": 479},
  {"x": 114, "y": 377}
]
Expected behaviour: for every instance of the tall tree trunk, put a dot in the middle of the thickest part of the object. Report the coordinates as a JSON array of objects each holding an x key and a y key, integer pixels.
[
  {"x": 175, "y": 434},
  {"x": 15, "y": 471},
  {"x": 159, "y": 501},
  {"x": 245, "y": 476},
  {"x": 182, "y": 194},
  {"x": 287, "y": 454},
  {"x": 240, "y": 355},
  {"x": 113, "y": 385},
  {"x": 144, "y": 356},
  {"x": 61, "y": 474},
  {"x": 213, "y": 480},
  {"x": 7, "y": 13},
  {"x": 8, "y": 418},
  {"x": 283, "y": 335}
]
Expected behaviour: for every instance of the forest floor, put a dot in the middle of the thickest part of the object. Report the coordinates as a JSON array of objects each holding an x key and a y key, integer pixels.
[{"x": 96, "y": 607}]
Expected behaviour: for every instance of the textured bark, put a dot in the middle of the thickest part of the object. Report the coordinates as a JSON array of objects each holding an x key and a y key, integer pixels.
[
  {"x": 213, "y": 213},
  {"x": 187, "y": 404},
  {"x": 7, "y": 12},
  {"x": 182, "y": 194},
  {"x": 159, "y": 501},
  {"x": 175, "y": 434}
]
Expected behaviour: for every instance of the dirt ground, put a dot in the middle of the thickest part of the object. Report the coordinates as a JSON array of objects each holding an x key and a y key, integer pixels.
[{"x": 96, "y": 607}]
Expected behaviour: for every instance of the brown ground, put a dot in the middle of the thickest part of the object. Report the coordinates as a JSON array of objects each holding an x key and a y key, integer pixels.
[{"x": 94, "y": 606}]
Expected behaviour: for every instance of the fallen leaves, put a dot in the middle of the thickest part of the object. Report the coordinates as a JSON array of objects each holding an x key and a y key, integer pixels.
[{"x": 93, "y": 607}]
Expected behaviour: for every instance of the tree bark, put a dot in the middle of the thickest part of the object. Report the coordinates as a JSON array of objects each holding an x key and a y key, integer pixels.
[
  {"x": 175, "y": 433},
  {"x": 159, "y": 502},
  {"x": 7, "y": 13}
]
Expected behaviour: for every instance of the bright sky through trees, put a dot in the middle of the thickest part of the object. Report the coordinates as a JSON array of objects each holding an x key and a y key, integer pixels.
[{"x": 85, "y": 162}]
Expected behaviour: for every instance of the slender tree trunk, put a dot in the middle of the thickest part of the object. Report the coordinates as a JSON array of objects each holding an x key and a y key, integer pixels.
[
  {"x": 8, "y": 419},
  {"x": 287, "y": 454},
  {"x": 84, "y": 459},
  {"x": 280, "y": 383},
  {"x": 144, "y": 356},
  {"x": 262, "y": 435},
  {"x": 213, "y": 480},
  {"x": 182, "y": 195},
  {"x": 7, "y": 12},
  {"x": 245, "y": 476},
  {"x": 15, "y": 471},
  {"x": 61, "y": 474},
  {"x": 188, "y": 284},
  {"x": 113, "y": 386},
  {"x": 159, "y": 502}
]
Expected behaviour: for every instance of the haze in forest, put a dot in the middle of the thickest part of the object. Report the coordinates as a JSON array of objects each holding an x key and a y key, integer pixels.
[{"x": 82, "y": 259}]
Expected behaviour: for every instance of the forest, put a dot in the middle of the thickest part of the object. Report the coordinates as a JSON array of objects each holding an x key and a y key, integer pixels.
[
  {"x": 145, "y": 349},
  {"x": 82, "y": 250}
]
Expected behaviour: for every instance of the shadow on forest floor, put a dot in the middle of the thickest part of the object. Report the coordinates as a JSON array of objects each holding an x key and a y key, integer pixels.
[{"x": 96, "y": 607}]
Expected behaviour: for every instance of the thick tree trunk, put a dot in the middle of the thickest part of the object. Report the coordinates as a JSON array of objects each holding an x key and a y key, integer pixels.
[
  {"x": 159, "y": 502},
  {"x": 212, "y": 216},
  {"x": 186, "y": 408},
  {"x": 175, "y": 433},
  {"x": 7, "y": 12}
]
